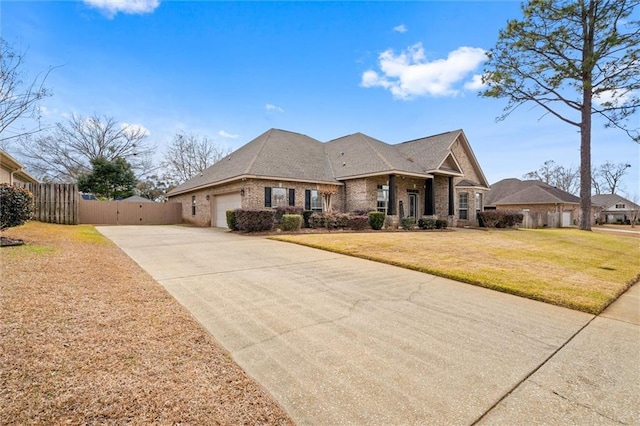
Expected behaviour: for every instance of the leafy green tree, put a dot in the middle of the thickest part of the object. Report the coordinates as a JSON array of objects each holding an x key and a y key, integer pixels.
[
  {"x": 574, "y": 59},
  {"x": 16, "y": 206},
  {"x": 109, "y": 178},
  {"x": 155, "y": 187}
]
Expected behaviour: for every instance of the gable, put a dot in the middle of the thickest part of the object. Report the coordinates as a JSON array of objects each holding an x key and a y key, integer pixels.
[{"x": 450, "y": 165}]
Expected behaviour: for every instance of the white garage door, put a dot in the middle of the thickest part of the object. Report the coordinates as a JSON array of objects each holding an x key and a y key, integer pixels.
[{"x": 223, "y": 203}]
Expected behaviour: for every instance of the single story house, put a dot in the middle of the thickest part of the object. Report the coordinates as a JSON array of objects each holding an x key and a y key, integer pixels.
[
  {"x": 613, "y": 208},
  {"x": 543, "y": 205},
  {"x": 12, "y": 172},
  {"x": 436, "y": 176}
]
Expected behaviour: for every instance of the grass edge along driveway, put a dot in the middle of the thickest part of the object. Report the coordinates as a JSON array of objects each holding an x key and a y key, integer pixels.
[{"x": 581, "y": 270}]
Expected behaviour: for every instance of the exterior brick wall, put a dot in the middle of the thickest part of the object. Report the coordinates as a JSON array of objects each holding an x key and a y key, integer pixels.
[{"x": 471, "y": 174}]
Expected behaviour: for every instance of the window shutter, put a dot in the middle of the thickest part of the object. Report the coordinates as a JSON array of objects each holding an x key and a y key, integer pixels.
[
  {"x": 267, "y": 196},
  {"x": 292, "y": 197},
  {"x": 307, "y": 199}
]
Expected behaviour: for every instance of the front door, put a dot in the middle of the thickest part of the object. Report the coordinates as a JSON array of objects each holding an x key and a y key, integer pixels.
[{"x": 413, "y": 205}]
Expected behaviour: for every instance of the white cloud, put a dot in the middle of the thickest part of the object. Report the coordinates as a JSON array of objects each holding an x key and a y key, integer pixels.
[
  {"x": 475, "y": 83},
  {"x": 131, "y": 7},
  {"x": 227, "y": 135},
  {"x": 402, "y": 28},
  {"x": 135, "y": 128},
  {"x": 410, "y": 74},
  {"x": 271, "y": 107},
  {"x": 613, "y": 97}
]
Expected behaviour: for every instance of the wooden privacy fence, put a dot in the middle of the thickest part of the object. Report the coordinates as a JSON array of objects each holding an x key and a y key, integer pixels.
[
  {"x": 541, "y": 219},
  {"x": 61, "y": 203},
  {"x": 55, "y": 202},
  {"x": 128, "y": 213}
]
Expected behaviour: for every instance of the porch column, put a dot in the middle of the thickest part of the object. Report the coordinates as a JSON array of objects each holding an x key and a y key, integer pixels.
[
  {"x": 429, "y": 197},
  {"x": 451, "y": 200},
  {"x": 391, "y": 209}
]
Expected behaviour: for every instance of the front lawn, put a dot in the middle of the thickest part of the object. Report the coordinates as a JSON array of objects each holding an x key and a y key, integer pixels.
[{"x": 576, "y": 269}]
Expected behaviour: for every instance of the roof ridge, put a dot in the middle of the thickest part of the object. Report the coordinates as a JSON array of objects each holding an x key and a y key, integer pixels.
[
  {"x": 255, "y": 157},
  {"x": 380, "y": 156},
  {"x": 430, "y": 136}
]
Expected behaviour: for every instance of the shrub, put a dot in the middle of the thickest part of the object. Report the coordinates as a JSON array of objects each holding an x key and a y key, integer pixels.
[
  {"x": 282, "y": 210},
  {"x": 441, "y": 224},
  {"x": 488, "y": 218},
  {"x": 358, "y": 222},
  {"x": 306, "y": 215},
  {"x": 341, "y": 220},
  {"x": 376, "y": 220},
  {"x": 512, "y": 219},
  {"x": 499, "y": 219},
  {"x": 231, "y": 220},
  {"x": 318, "y": 220},
  {"x": 408, "y": 222},
  {"x": 16, "y": 206},
  {"x": 255, "y": 220},
  {"x": 427, "y": 223},
  {"x": 291, "y": 222}
]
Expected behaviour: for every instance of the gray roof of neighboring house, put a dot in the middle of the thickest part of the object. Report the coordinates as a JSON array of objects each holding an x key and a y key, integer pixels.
[
  {"x": 516, "y": 191},
  {"x": 279, "y": 154},
  {"x": 137, "y": 199},
  {"x": 610, "y": 200}
]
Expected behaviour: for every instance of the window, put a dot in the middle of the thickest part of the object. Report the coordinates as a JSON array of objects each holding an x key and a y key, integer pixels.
[
  {"x": 193, "y": 205},
  {"x": 621, "y": 206},
  {"x": 278, "y": 197},
  {"x": 383, "y": 198},
  {"x": 478, "y": 202},
  {"x": 463, "y": 206},
  {"x": 316, "y": 201}
]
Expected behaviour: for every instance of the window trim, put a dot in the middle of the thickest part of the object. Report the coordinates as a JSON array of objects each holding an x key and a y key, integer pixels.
[
  {"x": 464, "y": 209},
  {"x": 382, "y": 189}
]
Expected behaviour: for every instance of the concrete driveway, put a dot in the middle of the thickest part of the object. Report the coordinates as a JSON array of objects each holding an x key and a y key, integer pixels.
[{"x": 338, "y": 340}]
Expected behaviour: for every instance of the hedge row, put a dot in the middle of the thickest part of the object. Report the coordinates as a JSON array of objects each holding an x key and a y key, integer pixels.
[
  {"x": 499, "y": 219},
  {"x": 432, "y": 224}
]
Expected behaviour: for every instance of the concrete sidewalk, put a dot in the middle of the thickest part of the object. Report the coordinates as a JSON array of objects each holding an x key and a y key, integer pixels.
[{"x": 338, "y": 340}]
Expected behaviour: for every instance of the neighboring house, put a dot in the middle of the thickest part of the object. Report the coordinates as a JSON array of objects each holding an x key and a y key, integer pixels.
[
  {"x": 543, "y": 205},
  {"x": 612, "y": 208},
  {"x": 137, "y": 199},
  {"x": 436, "y": 176},
  {"x": 12, "y": 172}
]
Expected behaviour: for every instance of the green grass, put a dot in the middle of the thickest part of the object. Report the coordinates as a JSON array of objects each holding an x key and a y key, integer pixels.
[{"x": 580, "y": 270}]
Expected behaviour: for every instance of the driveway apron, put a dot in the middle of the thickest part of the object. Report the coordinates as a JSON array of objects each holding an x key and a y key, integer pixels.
[{"x": 339, "y": 340}]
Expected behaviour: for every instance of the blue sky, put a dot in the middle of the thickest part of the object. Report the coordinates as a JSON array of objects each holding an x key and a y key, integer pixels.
[{"x": 231, "y": 70}]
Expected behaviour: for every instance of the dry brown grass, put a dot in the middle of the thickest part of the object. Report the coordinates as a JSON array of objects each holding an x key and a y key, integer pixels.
[
  {"x": 576, "y": 269},
  {"x": 87, "y": 337}
]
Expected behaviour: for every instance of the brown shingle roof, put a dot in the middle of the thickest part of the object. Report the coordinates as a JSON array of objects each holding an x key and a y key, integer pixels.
[
  {"x": 359, "y": 154},
  {"x": 276, "y": 153},
  {"x": 608, "y": 201},
  {"x": 279, "y": 154},
  {"x": 516, "y": 191},
  {"x": 431, "y": 151}
]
